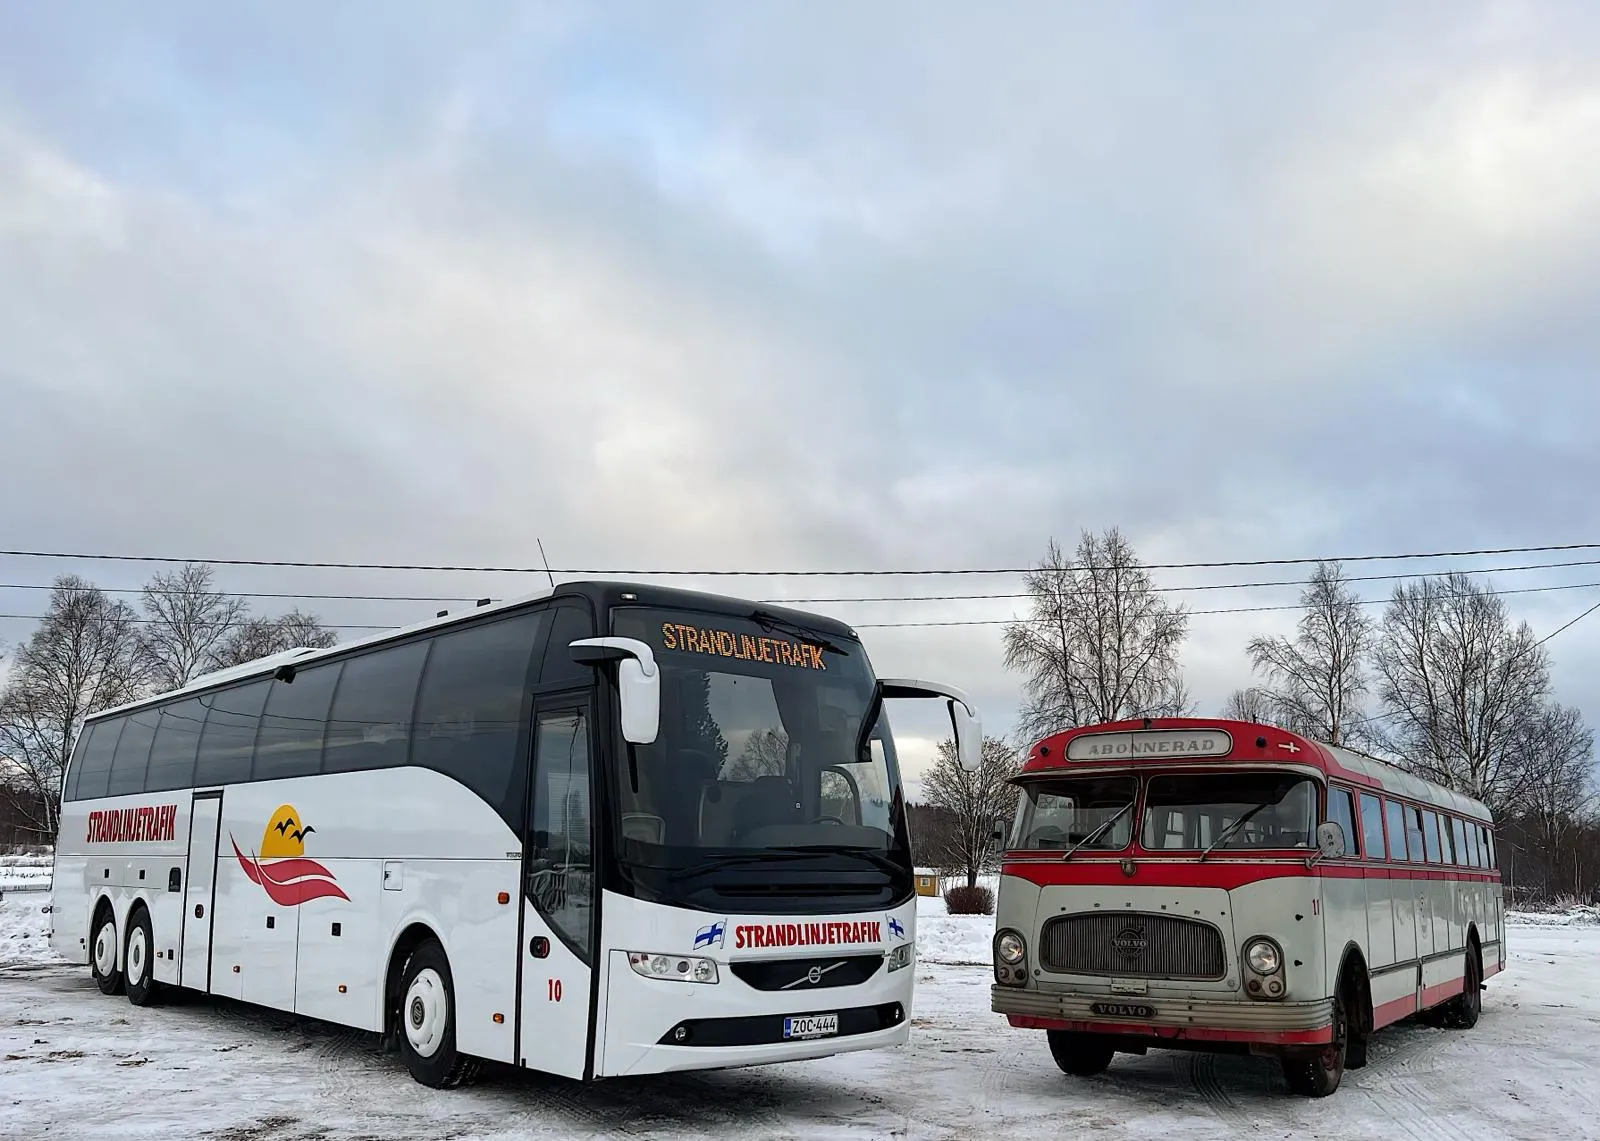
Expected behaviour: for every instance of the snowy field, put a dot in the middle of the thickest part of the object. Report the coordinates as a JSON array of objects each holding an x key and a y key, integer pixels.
[{"x": 74, "y": 1063}]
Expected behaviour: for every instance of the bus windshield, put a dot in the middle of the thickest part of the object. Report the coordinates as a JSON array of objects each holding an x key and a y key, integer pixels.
[
  {"x": 756, "y": 751},
  {"x": 1062, "y": 813},
  {"x": 1241, "y": 810}
]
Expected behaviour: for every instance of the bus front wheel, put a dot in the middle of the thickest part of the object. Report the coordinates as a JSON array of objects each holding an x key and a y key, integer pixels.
[
  {"x": 427, "y": 1021},
  {"x": 1081, "y": 1055}
]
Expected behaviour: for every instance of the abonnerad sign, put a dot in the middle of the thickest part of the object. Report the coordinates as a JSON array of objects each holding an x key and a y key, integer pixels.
[
  {"x": 1150, "y": 743},
  {"x": 158, "y": 822}
]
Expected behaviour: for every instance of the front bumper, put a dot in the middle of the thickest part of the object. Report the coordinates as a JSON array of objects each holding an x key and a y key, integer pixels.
[{"x": 1173, "y": 1018}]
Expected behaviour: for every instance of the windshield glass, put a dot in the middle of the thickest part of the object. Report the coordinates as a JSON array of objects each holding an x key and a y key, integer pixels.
[
  {"x": 1192, "y": 812},
  {"x": 1059, "y": 813},
  {"x": 756, "y": 747}
]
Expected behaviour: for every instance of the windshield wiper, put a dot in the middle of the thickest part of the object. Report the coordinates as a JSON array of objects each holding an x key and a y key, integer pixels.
[
  {"x": 729, "y": 859},
  {"x": 770, "y": 621},
  {"x": 872, "y": 855},
  {"x": 1098, "y": 832},
  {"x": 1234, "y": 827}
]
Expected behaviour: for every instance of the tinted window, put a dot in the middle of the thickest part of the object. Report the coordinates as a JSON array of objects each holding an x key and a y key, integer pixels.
[
  {"x": 370, "y": 727},
  {"x": 570, "y": 624},
  {"x": 1430, "y": 835},
  {"x": 471, "y": 710},
  {"x": 294, "y": 724},
  {"x": 133, "y": 754},
  {"x": 1394, "y": 815},
  {"x": 177, "y": 741},
  {"x": 1372, "y": 827},
  {"x": 93, "y": 770},
  {"x": 1342, "y": 814},
  {"x": 229, "y": 738}
]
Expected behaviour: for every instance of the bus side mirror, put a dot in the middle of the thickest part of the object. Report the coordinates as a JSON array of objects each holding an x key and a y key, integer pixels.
[
  {"x": 969, "y": 736},
  {"x": 997, "y": 835},
  {"x": 1330, "y": 839},
  {"x": 638, "y": 682}
]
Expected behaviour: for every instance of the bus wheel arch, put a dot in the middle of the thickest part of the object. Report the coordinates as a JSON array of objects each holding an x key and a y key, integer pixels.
[
  {"x": 105, "y": 948},
  {"x": 1355, "y": 985},
  {"x": 138, "y": 957},
  {"x": 420, "y": 1010}
]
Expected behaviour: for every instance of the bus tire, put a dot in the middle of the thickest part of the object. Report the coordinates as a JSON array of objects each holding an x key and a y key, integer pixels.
[
  {"x": 138, "y": 959},
  {"x": 1461, "y": 1012},
  {"x": 1081, "y": 1055},
  {"x": 103, "y": 944},
  {"x": 1317, "y": 1073},
  {"x": 427, "y": 1020}
]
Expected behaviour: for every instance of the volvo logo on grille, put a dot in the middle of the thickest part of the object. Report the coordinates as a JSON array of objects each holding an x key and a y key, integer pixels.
[
  {"x": 1130, "y": 942},
  {"x": 814, "y": 976}
]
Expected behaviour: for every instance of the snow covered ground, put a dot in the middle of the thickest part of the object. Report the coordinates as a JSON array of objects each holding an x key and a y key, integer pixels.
[{"x": 74, "y": 1063}]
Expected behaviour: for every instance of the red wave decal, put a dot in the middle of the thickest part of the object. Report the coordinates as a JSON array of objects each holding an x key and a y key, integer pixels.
[{"x": 292, "y": 881}]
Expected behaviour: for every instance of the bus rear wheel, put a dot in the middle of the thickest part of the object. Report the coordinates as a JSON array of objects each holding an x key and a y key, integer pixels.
[
  {"x": 427, "y": 1021},
  {"x": 103, "y": 953},
  {"x": 1081, "y": 1055},
  {"x": 1461, "y": 1012},
  {"x": 139, "y": 967}
]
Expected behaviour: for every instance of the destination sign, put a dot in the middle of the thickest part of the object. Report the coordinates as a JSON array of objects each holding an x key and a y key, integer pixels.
[
  {"x": 1150, "y": 743},
  {"x": 790, "y": 652}
]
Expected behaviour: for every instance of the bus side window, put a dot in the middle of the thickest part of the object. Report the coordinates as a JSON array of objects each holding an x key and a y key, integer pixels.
[
  {"x": 1394, "y": 816},
  {"x": 1342, "y": 814},
  {"x": 1430, "y": 835},
  {"x": 1372, "y": 827},
  {"x": 1488, "y": 844},
  {"x": 569, "y": 622},
  {"x": 294, "y": 724},
  {"x": 93, "y": 770},
  {"x": 1459, "y": 830},
  {"x": 370, "y": 725},
  {"x": 228, "y": 740},
  {"x": 1414, "y": 835},
  {"x": 133, "y": 754},
  {"x": 177, "y": 740}
]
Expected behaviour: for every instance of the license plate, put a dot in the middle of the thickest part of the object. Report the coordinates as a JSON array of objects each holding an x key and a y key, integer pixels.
[
  {"x": 1124, "y": 1009},
  {"x": 810, "y": 1025}
]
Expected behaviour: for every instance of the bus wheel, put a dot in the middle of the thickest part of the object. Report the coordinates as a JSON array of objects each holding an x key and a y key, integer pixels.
[
  {"x": 1317, "y": 1074},
  {"x": 103, "y": 953},
  {"x": 427, "y": 1018},
  {"x": 1461, "y": 1012},
  {"x": 139, "y": 970},
  {"x": 1082, "y": 1055}
]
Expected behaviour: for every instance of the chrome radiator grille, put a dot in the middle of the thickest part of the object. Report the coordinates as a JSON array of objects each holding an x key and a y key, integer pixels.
[{"x": 1132, "y": 944}]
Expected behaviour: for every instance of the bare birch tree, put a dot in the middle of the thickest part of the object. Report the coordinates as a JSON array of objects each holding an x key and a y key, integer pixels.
[
  {"x": 972, "y": 802},
  {"x": 1100, "y": 643},
  {"x": 82, "y": 657},
  {"x": 1558, "y": 793},
  {"x": 259, "y": 637},
  {"x": 1459, "y": 686},
  {"x": 1315, "y": 682},
  {"x": 1250, "y": 704},
  {"x": 186, "y": 621}
]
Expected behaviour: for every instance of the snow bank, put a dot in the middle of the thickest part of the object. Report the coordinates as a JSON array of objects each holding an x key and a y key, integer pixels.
[
  {"x": 24, "y": 929},
  {"x": 24, "y": 871},
  {"x": 1581, "y": 916}
]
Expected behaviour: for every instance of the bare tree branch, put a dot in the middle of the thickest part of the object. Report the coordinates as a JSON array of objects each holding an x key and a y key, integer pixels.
[
  {"x": 186, "y": 621},
  {"x": 1316, "y": 681},
  {"x": 1100, "y": 645},
  {"x": 259, "y": 637},
  {"x": 972, "y": 801}
]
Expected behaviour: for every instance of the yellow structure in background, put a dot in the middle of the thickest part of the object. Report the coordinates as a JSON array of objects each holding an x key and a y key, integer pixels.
[{"x": 927, "y": 884}]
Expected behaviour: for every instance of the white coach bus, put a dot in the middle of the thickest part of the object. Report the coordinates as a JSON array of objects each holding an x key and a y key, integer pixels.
[
  {"x": 605, "y": 830},
  {"x": 1226, "y": 886}
]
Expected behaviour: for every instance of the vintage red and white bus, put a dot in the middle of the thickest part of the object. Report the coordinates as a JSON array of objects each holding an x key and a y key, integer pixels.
[
  {"x": 1219, "y": 885},
  {"x": 603, "y": 830}
]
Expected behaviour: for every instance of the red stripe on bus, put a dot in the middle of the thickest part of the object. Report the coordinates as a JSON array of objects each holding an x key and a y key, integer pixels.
[
  {"x": 1176, "y": 1033},
  {"x": 1223, "y": 874}
]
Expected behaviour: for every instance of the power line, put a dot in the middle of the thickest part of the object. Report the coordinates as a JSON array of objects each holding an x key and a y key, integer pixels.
[
  {"x": 468, "y": 569},
  {"x": 832, "y": 601}
]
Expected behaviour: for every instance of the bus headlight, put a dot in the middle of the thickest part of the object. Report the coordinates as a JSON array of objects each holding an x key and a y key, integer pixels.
[
  {"x": 1010, "y": 959},
  {"x": 900, "y": 957},
  {"x": 1010, "y": 948},
  {"x": 1263, "y": 956},
  {"x": 676, "y": 968}
]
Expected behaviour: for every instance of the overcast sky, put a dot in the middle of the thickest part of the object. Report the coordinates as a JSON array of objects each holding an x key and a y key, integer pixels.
[{"x": 804, "y": 286}]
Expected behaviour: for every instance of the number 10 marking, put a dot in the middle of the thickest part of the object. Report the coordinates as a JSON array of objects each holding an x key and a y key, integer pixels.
[{"x": 553, "y": 988}]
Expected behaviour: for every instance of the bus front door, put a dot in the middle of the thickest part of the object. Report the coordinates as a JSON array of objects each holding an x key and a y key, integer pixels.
[{"x": 558, "y": 891}]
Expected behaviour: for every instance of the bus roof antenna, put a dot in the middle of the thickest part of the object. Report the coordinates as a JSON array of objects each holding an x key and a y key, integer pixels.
[{"x": 546, "y": 562}]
